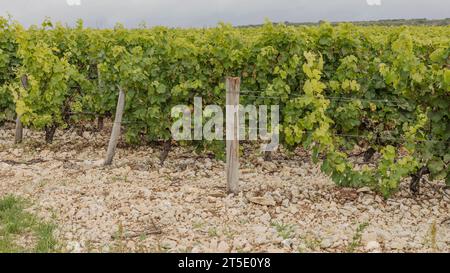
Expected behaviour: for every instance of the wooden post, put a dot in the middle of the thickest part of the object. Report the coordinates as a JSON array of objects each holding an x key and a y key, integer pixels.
[
  {"x": 19, "y": 131},
  {"x": 100, "y": 118},
  {"x": 115, "y": 133},
  {"x": 100, "y": 123},
  {"x": 232, "y": 134},
  {"x": 19, "y": 125}
]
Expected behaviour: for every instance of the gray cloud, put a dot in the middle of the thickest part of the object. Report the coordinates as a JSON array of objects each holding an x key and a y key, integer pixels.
[{"x": 199, "y": 13}]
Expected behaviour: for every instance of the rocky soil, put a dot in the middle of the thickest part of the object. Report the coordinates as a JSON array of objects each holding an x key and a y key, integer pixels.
[{"x": 137, "y": 205}]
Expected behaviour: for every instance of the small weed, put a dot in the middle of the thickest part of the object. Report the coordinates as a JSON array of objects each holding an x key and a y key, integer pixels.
[
  {"x": 243, "y": 221},
  {"x": 241, "y": 250},
  {"x": 119, "y": 238},
  {"x": 356, "y": 240},
  {"x": 285, "y": 231},
  {"x": 162, "y": 248},
  {"x": 198, "y": 225},
  {"x": 43, "y": 182},
  {"x": 212, "y": 232},
  {"x": 228, "y": 232},
  {"x": 142, "y": 237},
  {"x": 311, "y": 243},
  {"x": 46, "y": 240},
  {"x": 431, "y": 239},
  {"x": 140, "y": 245}
]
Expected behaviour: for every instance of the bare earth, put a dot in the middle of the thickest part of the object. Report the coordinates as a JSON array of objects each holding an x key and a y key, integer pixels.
[{"x": 137, "y": 205}]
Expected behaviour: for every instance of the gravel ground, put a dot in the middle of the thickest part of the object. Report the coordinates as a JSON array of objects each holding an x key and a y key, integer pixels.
[{"x": 137, "y": 205}]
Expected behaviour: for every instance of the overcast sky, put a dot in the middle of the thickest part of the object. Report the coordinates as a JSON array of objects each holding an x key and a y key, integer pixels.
[{"x": 199, "y": 13}]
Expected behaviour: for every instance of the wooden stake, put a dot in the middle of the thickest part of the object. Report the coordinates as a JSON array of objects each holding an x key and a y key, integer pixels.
[
  {"x": 115, "y": 133},
  {"x": 232, "y": 134},
  {"x": 19, "y": 125},
  {"x": 19, "y": 130},
  {"x": 100, "y": 123}
]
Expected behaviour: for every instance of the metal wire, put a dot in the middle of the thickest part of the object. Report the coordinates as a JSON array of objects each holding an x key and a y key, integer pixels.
[
  {"x": 328, "y": 97},
  {"x": 245, "y": 93},
  {"x": 338, "y": 99},
  {"x": 364, "y": 136}
]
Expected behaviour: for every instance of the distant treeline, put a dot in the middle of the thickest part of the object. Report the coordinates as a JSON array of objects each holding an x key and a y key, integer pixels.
[{"x": 386, "y": 22}]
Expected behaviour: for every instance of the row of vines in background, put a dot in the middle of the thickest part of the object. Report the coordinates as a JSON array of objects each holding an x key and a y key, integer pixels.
[{"x": 383, "y": 89}]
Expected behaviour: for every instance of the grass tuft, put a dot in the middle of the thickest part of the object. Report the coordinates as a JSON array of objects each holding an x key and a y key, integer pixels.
[{"x": 21, "y": 231}]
